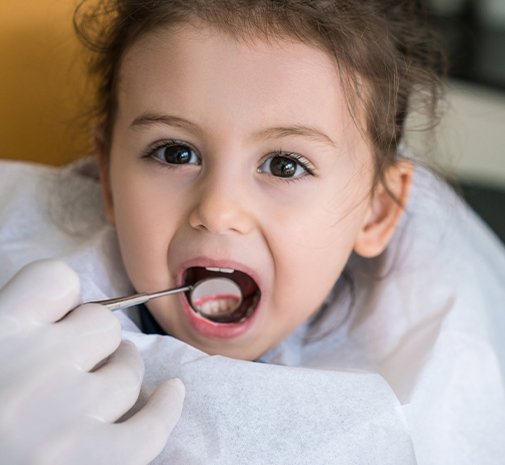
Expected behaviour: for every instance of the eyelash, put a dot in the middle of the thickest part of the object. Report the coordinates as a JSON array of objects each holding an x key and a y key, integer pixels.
[{"x": 299, "y": 159}]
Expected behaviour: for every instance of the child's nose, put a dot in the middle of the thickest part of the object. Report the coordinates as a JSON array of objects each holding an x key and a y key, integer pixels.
[{"x": 221, "y": 207}]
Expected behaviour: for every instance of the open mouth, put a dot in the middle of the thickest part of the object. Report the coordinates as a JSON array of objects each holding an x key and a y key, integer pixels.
[{"x": 221, "y": 306}]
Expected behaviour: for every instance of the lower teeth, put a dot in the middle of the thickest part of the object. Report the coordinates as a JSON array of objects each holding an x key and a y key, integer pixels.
[
  {"x": 217, "y": 307},
  {"x": 211, "y": 310}
]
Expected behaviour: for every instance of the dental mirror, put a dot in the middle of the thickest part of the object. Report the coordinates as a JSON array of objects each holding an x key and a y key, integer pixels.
[{"x": 211, "y": 298}]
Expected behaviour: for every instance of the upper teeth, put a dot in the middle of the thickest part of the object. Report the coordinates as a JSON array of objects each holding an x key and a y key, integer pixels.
[{"x": 220, "y": 270}]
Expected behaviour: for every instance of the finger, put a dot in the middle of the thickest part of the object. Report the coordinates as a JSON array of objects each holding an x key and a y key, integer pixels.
[
  {"x": 144, "y": 435},
  {"x": 43, "y": 401},
  {"x": 42, "y": 291},
  {"x": 81, "y": 340},
  {"x": 117, "y": 383},
  {"x": 134, "y": 442},
  {"x": 85, "y": 337}
]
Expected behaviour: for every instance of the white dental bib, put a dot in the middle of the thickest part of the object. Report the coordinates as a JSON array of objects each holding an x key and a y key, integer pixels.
[{"x": 410, "y": 368}]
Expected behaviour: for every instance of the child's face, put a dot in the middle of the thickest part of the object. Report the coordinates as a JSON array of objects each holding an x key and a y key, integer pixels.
[{"x": 236, "y": 155}]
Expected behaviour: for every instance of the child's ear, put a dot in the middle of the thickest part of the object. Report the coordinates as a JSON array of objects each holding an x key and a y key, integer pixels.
[
  {"x": 386, "y": 207},
  {"x": 103, "y": 158}
]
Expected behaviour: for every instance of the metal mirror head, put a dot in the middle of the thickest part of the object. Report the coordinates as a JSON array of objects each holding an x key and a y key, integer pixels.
[{"x": 215, "y": 297}]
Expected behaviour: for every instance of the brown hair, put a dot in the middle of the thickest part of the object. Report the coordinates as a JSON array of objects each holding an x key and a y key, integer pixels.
[{"x": 382, "y": 47}]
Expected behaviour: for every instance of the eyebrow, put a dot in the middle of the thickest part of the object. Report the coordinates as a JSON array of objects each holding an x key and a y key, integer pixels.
[
  {"x": 148, "y": 119},
  {"x": 297, "y": 130}
]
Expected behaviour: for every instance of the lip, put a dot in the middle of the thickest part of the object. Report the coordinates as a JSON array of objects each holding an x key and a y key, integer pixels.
[{"x": 208, "y": 328}]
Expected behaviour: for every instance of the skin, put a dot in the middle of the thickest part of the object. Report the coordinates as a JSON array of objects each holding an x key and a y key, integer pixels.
[{"x": 295, "y": 233}]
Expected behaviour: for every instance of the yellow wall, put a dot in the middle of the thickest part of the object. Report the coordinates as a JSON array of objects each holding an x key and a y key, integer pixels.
[{"x": 42, "y": 91}]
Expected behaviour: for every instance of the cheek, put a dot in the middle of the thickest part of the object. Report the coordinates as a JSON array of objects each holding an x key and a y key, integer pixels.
[
  {"x": 313, "y": 259},
  {"x": 325, "y": 225},
  {"x": 144, "y": 225},
  {"x": 311, "y": 250}
]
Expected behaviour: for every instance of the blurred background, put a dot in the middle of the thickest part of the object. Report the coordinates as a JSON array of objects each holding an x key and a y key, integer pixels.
[
  {"x": 469, "y": 144},
  {"x": 43, "y": 91},
  {"x": 44, "y": 94}
]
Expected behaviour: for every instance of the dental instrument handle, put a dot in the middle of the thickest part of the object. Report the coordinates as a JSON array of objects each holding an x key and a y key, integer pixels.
[{"x": 137, "y": 299}]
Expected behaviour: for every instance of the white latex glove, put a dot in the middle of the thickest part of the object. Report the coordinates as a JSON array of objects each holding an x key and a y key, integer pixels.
[{"x": 66, "y": 380}]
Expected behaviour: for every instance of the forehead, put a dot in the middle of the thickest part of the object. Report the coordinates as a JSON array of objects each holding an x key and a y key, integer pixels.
[
  {"x": 207, "y": 42},
  {"x": 210, "y": 75}
]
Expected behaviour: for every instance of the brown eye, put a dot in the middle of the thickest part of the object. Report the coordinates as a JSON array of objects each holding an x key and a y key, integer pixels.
[
  {"x": 176, "y": 154},
  {"x": 284, "y": 166}
]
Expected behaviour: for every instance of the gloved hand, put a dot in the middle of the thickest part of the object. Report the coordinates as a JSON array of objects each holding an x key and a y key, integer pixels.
[{"x": 66, "y": 378}]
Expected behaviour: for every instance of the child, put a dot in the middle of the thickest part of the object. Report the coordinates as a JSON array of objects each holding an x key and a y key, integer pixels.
[{"x": 260, "y": 141}]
